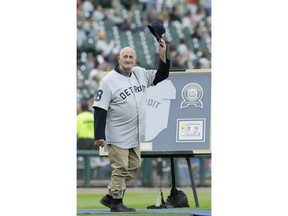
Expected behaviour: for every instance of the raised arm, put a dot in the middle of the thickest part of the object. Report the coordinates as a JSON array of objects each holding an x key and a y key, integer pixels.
[{"x": 164, "y": 63}]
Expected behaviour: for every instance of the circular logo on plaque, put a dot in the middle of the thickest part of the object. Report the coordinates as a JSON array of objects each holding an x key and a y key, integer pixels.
[{"x": 192, "y": 94}]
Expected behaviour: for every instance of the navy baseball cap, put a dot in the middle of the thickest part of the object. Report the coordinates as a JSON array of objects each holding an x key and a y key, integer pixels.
[{"x": 157, "y": 29}]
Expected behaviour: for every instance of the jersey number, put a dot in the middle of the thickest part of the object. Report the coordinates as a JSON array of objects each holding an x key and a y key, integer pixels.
[{"x": 99, "y": 95}]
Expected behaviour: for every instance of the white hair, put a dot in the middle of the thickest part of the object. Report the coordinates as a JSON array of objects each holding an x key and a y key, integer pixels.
[{"x": 121, "y": 51}]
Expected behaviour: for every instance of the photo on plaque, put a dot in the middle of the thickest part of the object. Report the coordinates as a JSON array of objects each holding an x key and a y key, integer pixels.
[{"x": 190, "y": 130}]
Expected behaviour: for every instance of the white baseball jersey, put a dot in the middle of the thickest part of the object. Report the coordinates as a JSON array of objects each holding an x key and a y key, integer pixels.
[
  {"x": 158, "y": 107},
  {"x": 124, "y": 98}
]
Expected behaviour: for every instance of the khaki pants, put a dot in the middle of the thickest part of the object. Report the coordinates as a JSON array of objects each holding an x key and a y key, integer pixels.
[{"x": 125, "y": 165}]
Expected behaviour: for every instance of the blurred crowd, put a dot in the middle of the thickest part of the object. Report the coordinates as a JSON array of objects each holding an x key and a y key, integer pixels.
[{"x": 97, "y": 51}]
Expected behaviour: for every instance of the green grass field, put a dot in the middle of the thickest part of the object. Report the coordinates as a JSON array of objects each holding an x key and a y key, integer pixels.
[{"x": 140, "y": 201}]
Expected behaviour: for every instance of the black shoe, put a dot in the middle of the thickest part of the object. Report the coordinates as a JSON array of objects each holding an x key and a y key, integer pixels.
[
  {"x": 121, "y": 208},
  {"x": 106, "y": 201}
]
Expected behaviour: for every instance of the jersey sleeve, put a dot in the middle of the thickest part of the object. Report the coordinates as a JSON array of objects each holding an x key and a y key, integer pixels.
[
  {"x": 99, "y": 123},
  {"x": 103, "y": 96},
  {"x": 150, "y": 76},
  {"x": 162, "y": 71},
  {"x": 156, "y": 76}
]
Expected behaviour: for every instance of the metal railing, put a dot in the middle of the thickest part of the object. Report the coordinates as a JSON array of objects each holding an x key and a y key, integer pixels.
[{"x": 203, "y": 178}]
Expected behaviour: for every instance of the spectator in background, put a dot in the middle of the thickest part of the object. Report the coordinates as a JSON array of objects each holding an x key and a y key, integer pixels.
[
  {"x": 104, "y": 63},
  {"x": 204, "y": 62},
  {"x": 104, "y": 3},
  {"x": 113, "y": 15},
  {"x": 160, "y": 4},
  {"x": 192, "y": 6},
  {"x": 85, "y": 128},
  {"x": 98, "y": 14},
  {"x": 207, "y": 6},
  {"x": 79, "y": 4},
  {"x": 177, "y": 61},
  {"x": 88, "y": 7},
  {"x": 165, "y": 17},
  {"x": 197, "y": 32},
  {"x": 183, "y": 47},
  {"x": 94, "y": 79},
  {"x": 81, "y": 35},
  {"x": 90, "y": 62},
  {"x": 152, "y": 15},
  {"x": 128, "y": 25},
  {"x": 143, "y": 27},
  {"x": 205, "y": 33},
  {"x": 147, "y": 5},
  {"x": 80, "y": 14},
  {"x": 181, "y": 55},
  {"x": 198, "y": 17},
  {"x": 78, "y": 107},
  {"x": 186, "y": 21},
  {"x": 174, "y": 16},
  {"x": 103, "y": 45},
  {"x": 129, "y": 5},
  {"x": 185, "y": 51}
]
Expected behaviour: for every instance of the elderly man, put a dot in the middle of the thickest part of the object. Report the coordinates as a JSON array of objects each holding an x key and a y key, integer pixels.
[{"x": 119, "y": 119}]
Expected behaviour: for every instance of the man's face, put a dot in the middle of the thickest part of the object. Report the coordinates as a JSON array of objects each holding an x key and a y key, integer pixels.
[{"x": 127, "y": 59}]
